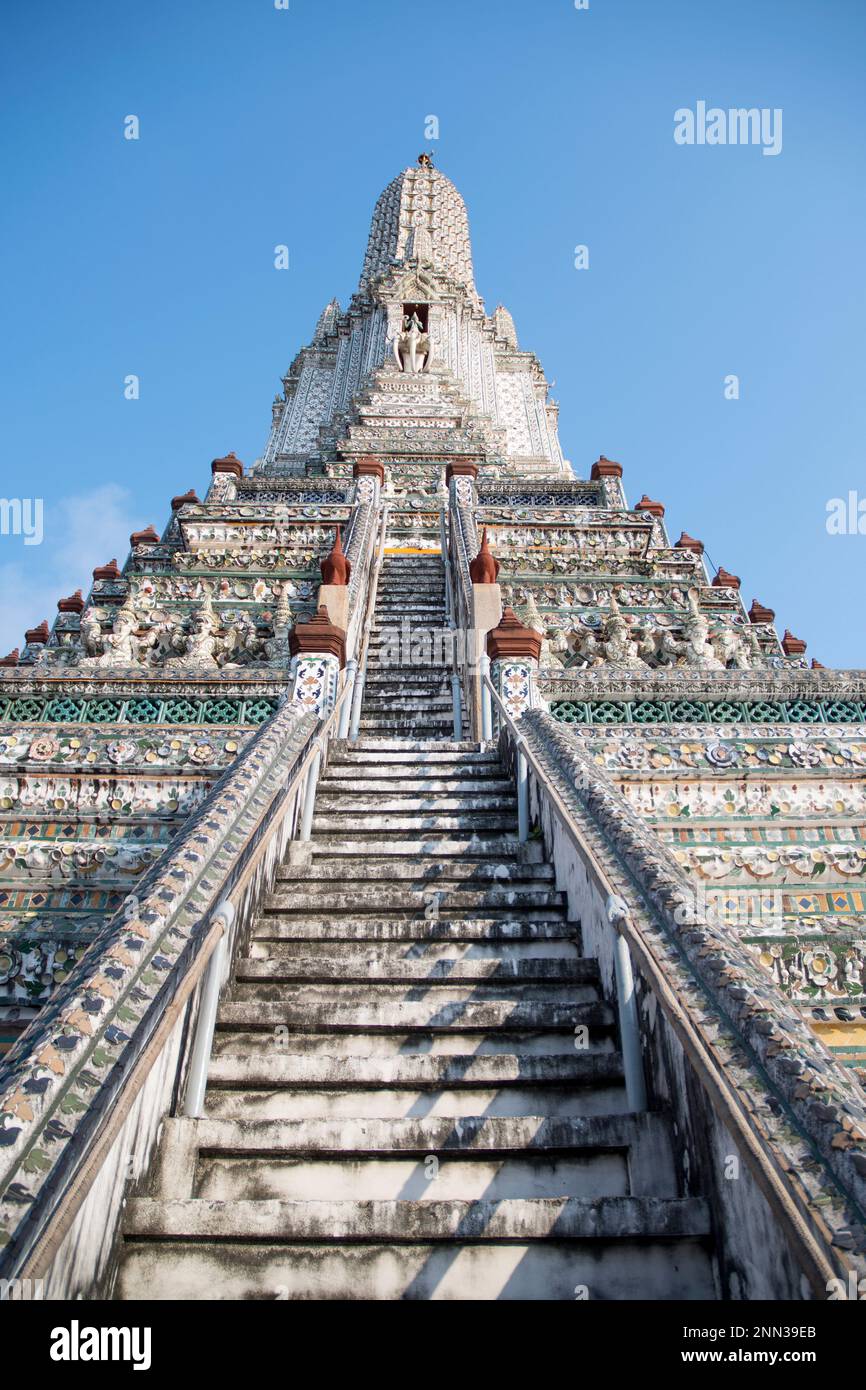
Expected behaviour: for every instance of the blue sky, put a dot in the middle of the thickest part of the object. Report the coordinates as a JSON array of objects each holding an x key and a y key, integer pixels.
[{"x": 261, "y": 126}]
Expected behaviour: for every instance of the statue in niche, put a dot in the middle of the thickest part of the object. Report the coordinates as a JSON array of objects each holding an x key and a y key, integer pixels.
[{"x": 412, "y": 345}]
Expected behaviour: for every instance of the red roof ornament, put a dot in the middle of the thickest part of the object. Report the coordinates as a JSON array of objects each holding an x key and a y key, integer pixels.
[
  {"x": 73, "y": 604},
  {"x": 37, "y": 635},
  {"x": 793, "y": 646},
  {"x": 146, "y": 537},
  {"x": 230, "y": 464},
  {"x": 687, "y": 542},
  {"x": 817, "y": 665},
  {"x": 11, "y": 659},
  {"x": 109, "y": 571},
  {"x": 646, "y": 504},
  {"x": 336, "y": 569},
  {"x": 369, "y": 467},
  {"x": 183, "y": 499},
  {"x": 724, "y": 580},
  {"x": 485, "y": 567},
  {"x": 605, "y": 468},
  {"x": 511, "y": 639},
  {"x": 460, "y": 468},
  {"x": 759, "y": 614},
  {"x": 318, "y": 636}
]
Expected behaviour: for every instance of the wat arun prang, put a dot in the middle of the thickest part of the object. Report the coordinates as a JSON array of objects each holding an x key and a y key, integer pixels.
[{"x": 737, "y": 763}]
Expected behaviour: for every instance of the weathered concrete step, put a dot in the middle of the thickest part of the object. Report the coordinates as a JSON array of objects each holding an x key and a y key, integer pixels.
[
  {"x": 409, "y": 751},
  {"x": 417, "y": 768},
  {"x": 376, "y": 750},
  {"x": 432, "y": 727},
  {"x": 386, "y": 801},
  {"x": 379, "y": 868},
  {"x": 491, "y": 785},
  {"x": 392, "y": 1102},
  {"x": 424, "y": 702},
  {"x": 496, "y": 847},
  {"x": 243, "y": 1179},
  {"x": 415, "y": 675},
  {"x": 530, "y": 926},
  {"x": 565, "y": 1218},
  {"x": 481, "y": 1135},
  {"x": 672, "y": 1270},
  {"x": 381, "y": 899},
  {"x": 438, "y": 994},
  {"x": 430, "y": 1013},
  {"x": 356, "y": 824},
  {"x": 367, "y": 958},
  {"x": 418, "y": 1042},
  {"x": 323, "y": 1072},
  {"x": 272, "y": 963},
  {"x": 378, "y": 695}
]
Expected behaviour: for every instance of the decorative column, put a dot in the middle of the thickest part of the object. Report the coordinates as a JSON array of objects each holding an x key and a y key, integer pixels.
[
  {"x": 227, "y": 472},
  {"x": 318, "y": 649},
  {"x": 513, "y": 651}
]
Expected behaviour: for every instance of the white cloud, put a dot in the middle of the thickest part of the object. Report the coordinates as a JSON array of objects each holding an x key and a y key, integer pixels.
[{"x": 80, "y": 531}]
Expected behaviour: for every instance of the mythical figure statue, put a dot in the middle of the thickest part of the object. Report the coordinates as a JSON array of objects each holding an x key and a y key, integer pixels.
[
  {"x": 196, "y": 644},
  {"x": 615, "y": 643},
  {"x": 122, "y": 646},
  {"x": 412, "y": 345}
]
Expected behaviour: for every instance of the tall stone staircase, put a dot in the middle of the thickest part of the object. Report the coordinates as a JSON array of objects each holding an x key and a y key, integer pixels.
[
  {"x": 415, "y": 1089},
  {"x": 409, "y": 697}
]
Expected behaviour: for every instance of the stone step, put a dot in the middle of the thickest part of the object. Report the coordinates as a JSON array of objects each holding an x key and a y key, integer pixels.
[
  {"x": 354, "y": 825},
  {"x": 432, "y": 733},
  {"x": 421, "y": 872},
  {"x": 376, "y": 750},
  {"x": 240, "y": 1041},
  {"x": 392, "y": 785},
  {"x": 672, "y": 1269},
  {"x": 381, "y": 679},
  {"x": 393, "y": 767},
  {"x": 529, "y": 926},
  {"x": 411, "y": 900},
  {"x": 432, "y": 707},
  {"x": 508, "y": 1219},
  {"x": 311, "y": 1011},
  {"x": 240, "y": 1179},
  {"x": 340, "y": 1073},
  {"x": 372, "y": 959},
  {"x": 273, "y": 982},
  {"x": 368, "y": 966},
  {"x": 488, "y": 846},
  {"x": 390, "y": 802},
  {"x": 419, "y": 1135},
  {"x": 384, "y": 684},
  {"x": 392, "y": 1102}
]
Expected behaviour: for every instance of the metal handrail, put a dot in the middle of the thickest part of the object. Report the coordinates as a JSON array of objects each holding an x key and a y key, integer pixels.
[
  {"x": 453, "y": 626},
  {"x": 629, "y": 1026},
  {"x": 630, "y": 940},
  {"x": 360, "y": 674}
]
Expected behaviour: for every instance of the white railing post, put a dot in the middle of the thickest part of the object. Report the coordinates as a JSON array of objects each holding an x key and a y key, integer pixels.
[
  {"x": 522, "y": 773},
  {"x": 458, "y": 712},
  {"x": 306, "y": 828},
  {"x": 629, "y": 1027},
  {"x": 207, "y": 1012},
  {"x": 486, "y": 702},
  {"x": 346, "y": 707}
]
